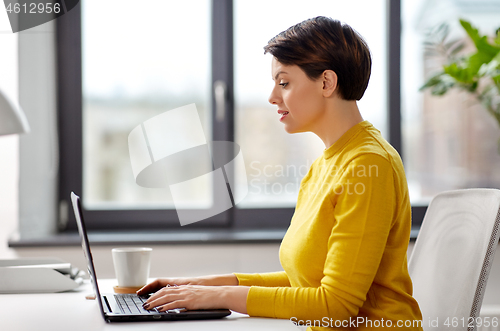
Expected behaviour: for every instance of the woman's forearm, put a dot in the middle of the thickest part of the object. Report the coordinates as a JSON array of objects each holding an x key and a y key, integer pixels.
[
  {"x": 219, "y": 280},
  {"x": 235, "y": 298}
]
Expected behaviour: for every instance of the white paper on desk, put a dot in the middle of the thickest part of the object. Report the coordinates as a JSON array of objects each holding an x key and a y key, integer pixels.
[
  {"x": 62, "y": 267},
  {"x": 52, "y": 263},
  {"x": 36, "y": 276}
]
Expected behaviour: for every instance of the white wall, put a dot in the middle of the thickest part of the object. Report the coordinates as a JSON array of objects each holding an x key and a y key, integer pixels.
[
  {"x": 8, "y": 191},
  {"x": 9, "y": 151}
]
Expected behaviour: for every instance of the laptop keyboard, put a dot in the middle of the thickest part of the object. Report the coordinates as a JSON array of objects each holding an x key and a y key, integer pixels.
[{"x": 132, "y": 304}]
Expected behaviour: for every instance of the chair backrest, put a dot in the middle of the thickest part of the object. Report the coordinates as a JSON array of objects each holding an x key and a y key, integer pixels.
[{"x": 452, "y": 257}]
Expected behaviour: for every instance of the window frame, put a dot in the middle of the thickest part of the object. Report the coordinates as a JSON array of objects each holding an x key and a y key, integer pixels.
[{"x": 70, "y": 107}]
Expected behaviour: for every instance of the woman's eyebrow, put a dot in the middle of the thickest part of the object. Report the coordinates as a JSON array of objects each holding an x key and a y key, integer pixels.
[{"x": 279, "y": 73}]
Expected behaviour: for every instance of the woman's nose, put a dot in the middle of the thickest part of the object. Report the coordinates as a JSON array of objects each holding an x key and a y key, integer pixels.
[{"x": 274, "y": 99}]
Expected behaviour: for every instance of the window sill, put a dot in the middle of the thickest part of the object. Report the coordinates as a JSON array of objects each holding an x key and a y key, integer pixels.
[
  {"x": 160, "y": 238},
  {"x": 153, "y": 238}
]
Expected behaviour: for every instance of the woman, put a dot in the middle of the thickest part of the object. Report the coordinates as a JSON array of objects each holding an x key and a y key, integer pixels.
[{"x": 344, "y": 254}]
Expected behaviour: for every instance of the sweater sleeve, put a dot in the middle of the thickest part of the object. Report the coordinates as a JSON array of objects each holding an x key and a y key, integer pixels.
[
  {"x": 363, "y": 211},
  {"x": 271, "y": 279}
]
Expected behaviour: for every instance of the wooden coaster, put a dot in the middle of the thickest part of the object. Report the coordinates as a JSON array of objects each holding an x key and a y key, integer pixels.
[{"x": 126, "y": 290}]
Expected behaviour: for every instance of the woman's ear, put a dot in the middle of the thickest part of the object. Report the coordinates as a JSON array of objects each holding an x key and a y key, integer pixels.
[{"x": 329, "y": 82}]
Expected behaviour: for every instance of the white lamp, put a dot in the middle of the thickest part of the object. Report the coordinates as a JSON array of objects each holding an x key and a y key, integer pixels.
[{"x": 12, "y": 118}]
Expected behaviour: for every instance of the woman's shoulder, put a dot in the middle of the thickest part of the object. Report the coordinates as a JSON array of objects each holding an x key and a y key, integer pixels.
[
  {"x": 366, "y": 148},
  {"x": 370, "y": 145}
]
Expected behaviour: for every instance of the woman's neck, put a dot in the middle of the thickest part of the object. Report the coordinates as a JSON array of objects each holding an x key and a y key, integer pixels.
[{"x": 341, "y": 115}]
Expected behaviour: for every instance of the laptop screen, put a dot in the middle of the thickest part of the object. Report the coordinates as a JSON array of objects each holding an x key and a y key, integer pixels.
[{"x": 77, "y": 208}]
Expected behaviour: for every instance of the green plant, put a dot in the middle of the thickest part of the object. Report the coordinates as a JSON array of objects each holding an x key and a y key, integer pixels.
[{"x": 477, "y": 73}]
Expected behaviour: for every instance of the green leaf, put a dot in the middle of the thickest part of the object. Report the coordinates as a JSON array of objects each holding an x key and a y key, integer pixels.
[
  {"x": 496, "y": 80},
  {"x": 439, "y": 84},
  {"x": 496, "y": 59},
  {"x": 491, "y": 69},
  {"x": 481, "y": 42},
  {"x": 460, "y": 73},
  {"x": 475, "y": 62},
  {"x": 442, "y": 87},
  {"x": 454, "y": 47},
  {"x": 472, "y": 87},
  {"x": 432, "y": 81}
]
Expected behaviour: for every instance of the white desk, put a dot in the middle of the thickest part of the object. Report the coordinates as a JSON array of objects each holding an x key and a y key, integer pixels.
[{"x": 70, "y": 311}]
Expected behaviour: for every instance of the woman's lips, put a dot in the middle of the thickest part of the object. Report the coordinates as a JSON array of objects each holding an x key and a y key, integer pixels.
[{"x": 283, "y": 114}]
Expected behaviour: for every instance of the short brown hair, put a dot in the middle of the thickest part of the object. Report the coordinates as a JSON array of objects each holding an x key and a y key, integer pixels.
[{"x": 320, "y": 44}]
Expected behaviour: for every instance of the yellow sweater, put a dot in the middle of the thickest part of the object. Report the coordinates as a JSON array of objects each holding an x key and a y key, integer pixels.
[{"x": 344, "y": 254}]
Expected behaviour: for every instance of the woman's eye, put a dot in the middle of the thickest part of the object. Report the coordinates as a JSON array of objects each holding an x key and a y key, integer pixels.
[{"x": 283, "y": 84}]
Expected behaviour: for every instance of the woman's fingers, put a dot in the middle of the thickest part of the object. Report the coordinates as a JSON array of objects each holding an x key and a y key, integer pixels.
[
  {"x": 158, "y": 294},
  {"x": 179, "y": 304},
  {"x": 162, "y": 282},
  {"x": 184, "y": 296},
  {"x": 152, "y": 287},
  {"x": 164, "y": 296},
  {"x": 148, "y": 288},
  {"x": 192, "y": 297}
]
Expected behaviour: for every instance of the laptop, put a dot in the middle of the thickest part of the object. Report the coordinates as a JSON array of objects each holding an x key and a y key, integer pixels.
[{"x": 128, "y": 307}]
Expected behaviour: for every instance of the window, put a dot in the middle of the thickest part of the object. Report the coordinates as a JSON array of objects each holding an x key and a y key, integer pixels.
[
  {"x": 134, "y": 67},
  {"x": 117, "y": 70},
  {"x": 450, "y": 142},
  {"x": 275, "y": 160}
]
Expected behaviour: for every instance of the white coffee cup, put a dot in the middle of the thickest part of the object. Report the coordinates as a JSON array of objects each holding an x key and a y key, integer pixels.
[{"x": 131, "y": 265}]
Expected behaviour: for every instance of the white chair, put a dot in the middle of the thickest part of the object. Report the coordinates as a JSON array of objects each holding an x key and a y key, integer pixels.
[{"x": 452, "y": 257}]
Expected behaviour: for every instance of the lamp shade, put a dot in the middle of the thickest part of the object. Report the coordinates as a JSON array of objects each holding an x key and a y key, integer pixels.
[{"x": 12, "y": 118}]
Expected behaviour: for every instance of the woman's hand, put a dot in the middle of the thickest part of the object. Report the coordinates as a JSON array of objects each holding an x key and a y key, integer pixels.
[
  {"x": 218, "y": 280},
  {"x": 194, "y": 297}
]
